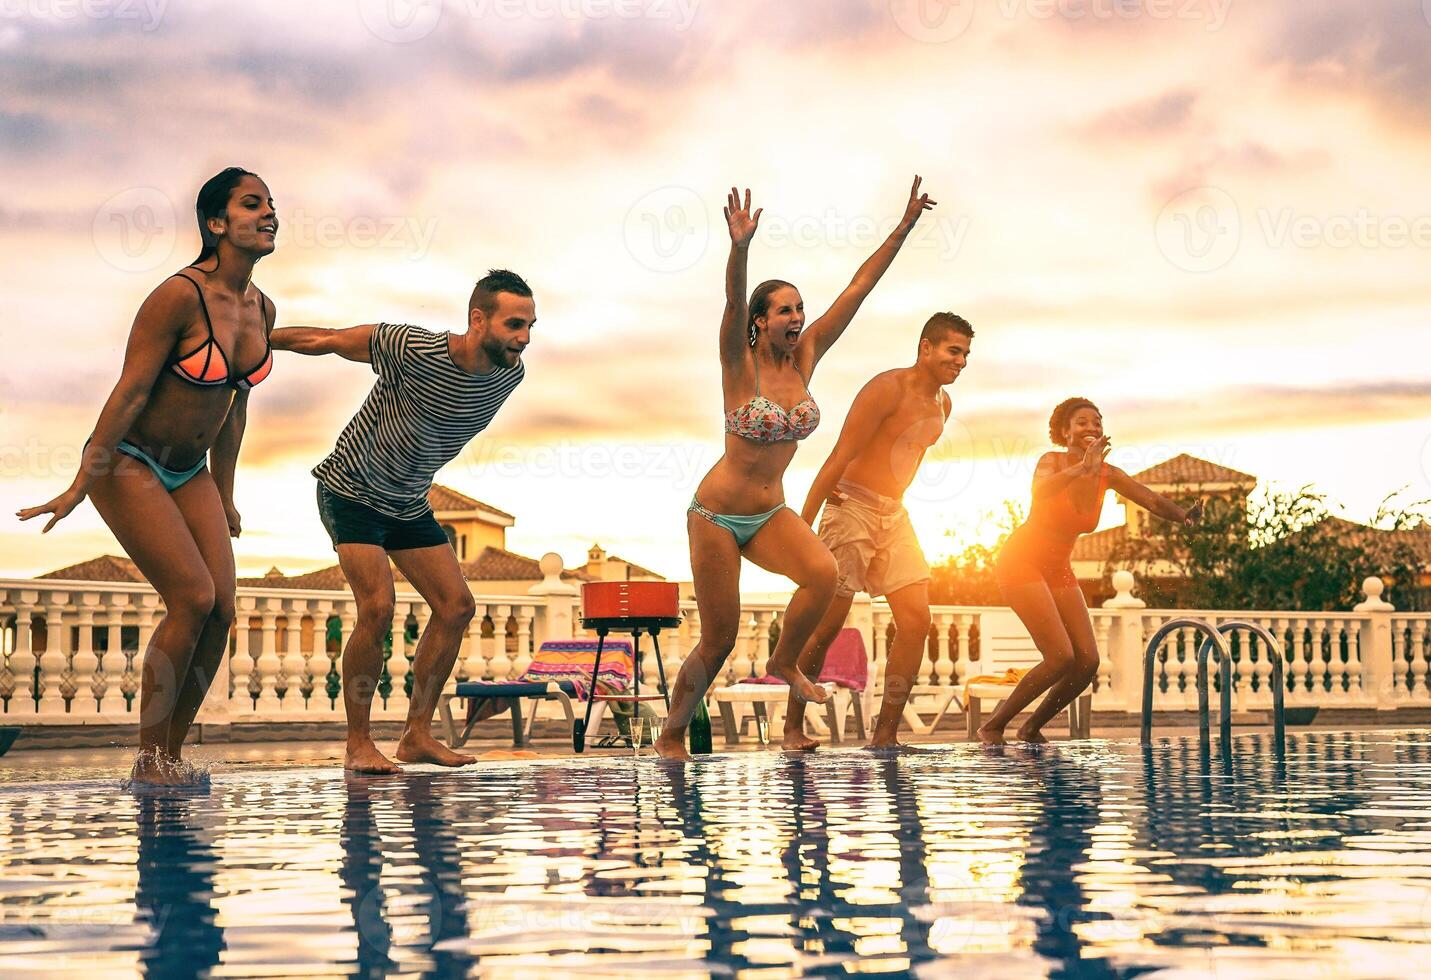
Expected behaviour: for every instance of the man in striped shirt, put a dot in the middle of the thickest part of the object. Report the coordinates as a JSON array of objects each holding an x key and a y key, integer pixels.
[{"x": 434, "y": 393}]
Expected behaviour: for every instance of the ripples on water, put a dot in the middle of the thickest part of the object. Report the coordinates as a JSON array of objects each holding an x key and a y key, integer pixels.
[{"x": 1091, "y": 859}]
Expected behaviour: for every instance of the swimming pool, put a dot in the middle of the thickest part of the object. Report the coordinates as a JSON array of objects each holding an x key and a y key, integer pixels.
[{"x": 1086, "y": 859}]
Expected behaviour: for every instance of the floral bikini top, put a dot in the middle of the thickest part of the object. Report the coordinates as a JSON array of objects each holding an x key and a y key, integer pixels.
[{"x": 761, "y": 420}]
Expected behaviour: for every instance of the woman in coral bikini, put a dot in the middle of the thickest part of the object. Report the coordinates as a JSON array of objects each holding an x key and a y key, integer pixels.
[
  {"x": 767, "y": 357},
  {"x": 198, "y": 345},
  {"x": 1035, "y": 568}
]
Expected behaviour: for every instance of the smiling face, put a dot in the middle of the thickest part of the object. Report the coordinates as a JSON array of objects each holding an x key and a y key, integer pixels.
[
  {"x": 250, "y": 219},
  {"x": 1085, "y": 427},
  {"x": 784, "y": 319},
  {"x": 945, "y": 356},
  {"x": 507, "y": 331}
]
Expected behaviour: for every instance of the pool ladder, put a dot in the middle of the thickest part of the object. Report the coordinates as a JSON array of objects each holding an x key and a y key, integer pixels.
[{"x": 1215, "y": 637}]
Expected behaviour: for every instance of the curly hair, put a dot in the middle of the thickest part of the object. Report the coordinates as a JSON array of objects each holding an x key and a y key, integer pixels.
[{"x": 1058, "y": 421}]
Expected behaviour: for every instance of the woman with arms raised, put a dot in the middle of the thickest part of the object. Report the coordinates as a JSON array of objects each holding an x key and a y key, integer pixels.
[
  {"x": 767, "y": 357},
  {"x": 198, "y": 345}
]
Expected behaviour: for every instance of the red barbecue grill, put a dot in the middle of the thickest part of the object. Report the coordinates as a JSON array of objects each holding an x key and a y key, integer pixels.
[{"x": 627, "y": 607}]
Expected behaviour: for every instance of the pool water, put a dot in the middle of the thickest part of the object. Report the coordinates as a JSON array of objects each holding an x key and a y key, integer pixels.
[{"x": 1083, "y": 859}]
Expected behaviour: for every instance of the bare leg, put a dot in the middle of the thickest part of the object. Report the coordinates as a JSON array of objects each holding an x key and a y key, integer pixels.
[
  {"x": 1035, "y": 607},
  {"x": 787, "y": 546},
  {"x": 203, "y": 511},
  {"x": 366, "y": 568},
  {"x": 910, "y": 606},
  {"x": 435, "y": 574},
  {"x": 151, "y": 529},
  {"x": 715, "y": 568},
  {"x": 811, "y": 662},
  {"x": 1074, "y": 613}
]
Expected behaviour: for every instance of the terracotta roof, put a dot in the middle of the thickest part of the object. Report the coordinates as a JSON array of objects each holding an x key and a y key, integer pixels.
[
  {"x": 105, "y": 568},
  {"x": 637, "y": 569},
  {"x": 446, "y": 498},
  {"x": 495, "y": 564},
  {"x": 1418, "y": 538},
  {"x": 328, "y": 579},
  {"x": 1189, "y": 471},
  {"x": 1100, "y": 544}
]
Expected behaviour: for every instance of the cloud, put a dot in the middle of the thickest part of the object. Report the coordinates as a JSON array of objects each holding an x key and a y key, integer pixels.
[{"x": 1159, "y": 116}]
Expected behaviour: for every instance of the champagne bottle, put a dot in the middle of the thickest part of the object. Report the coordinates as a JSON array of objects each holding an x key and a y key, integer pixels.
[{"x": 699, "y": 731}]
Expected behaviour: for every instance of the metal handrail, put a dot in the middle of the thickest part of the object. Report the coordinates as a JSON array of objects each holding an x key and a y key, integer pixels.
[
  {"x": 1274, "y": 649},
  {"x": 1214, "y": 638}
]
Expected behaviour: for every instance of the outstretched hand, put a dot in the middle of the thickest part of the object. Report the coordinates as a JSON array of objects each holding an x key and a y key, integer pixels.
[
  {"x": 60, "y": 507},
  {"x": 918, "y": 204},
  {"x": 738, "y": 217},
  {"x": 1194, "y": 513}
]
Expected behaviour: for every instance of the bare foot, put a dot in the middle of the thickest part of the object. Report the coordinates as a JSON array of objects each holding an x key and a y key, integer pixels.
[
  {"x": 672, "y": 748},
  {"x": 1033, "y": 735},
  {"x": 413, "y": 747},
  {"x": 364, "y": 757},
  {"x": 154, "y": 767},
  {"x": 991, "y": 736},
  {"x": 798, "y": 741},
  {"x": 880, "y": 741},
  {"x": 801, "y": 686}
]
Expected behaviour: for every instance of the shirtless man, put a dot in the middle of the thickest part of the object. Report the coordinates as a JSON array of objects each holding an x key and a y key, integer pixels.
[{"x": 894, "y": 420}]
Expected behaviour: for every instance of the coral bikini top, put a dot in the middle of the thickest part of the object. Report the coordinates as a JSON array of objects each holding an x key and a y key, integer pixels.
[
  {"x": 762, "y": 420},
  {"x": 208, "y": 366}
]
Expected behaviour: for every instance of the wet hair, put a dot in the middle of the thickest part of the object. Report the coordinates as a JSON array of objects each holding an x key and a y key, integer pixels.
[
  {"x": 484, "y": 294},
  {"x": 213, "y": 202},
  {"x": 1058, "y": 421},
  {"x": 760, "y": 302},
  {"x": 945, "y": 323}
]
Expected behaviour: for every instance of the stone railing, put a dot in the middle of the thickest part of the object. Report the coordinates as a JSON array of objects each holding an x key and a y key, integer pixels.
[{"x": 70, "y": 652}]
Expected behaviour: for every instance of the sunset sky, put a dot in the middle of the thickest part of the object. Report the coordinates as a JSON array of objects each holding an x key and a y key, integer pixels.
[{"x": 1210, "y": 216}]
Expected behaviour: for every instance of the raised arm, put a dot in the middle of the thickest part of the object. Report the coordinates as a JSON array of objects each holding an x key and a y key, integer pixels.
[
  {"x": 1152, "y": 501},
  {"x": 870, "y": 407},
  {"x": 827, "y": 329},
  {"x": 158, "y": 327},
  {"x": 735, "y": 320},
  {"x": 353, "y": 343}
]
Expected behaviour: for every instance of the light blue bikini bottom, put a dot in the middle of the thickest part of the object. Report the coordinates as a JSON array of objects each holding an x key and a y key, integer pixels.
[
  {"x": 172, "y": 479},
  {"x": 742, "y": 526}
]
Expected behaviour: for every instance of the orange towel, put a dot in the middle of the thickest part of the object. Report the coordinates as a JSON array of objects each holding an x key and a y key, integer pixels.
[{"x": 1011, "y": 676}]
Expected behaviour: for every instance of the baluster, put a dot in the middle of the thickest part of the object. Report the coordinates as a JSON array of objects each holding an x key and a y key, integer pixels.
[
  {"x": 85, "y": 664},
  {"x": 347, "y": 623},
  {"x": 1322, "y": 666},
  {"x": 1420, "y": 664},
  {"x": 268, "y": 663},
  {"x": 472, "y": 665},
  {"x": 22, "y": 659},
  {"x": 761, "y": 649},
  {"x": 315, "y": 657},
  {"x": 880, "y": 617},
  {"x": 53, "y": 662},
  {"x": 295, "y": 665},
  {"x": 1103, "y": 682},
  {"x": 398, "y": 665},
  {"x": 1186, "y": 653},
  {"x": 963, "y": 665},
  {"x": 692, "y": 627},
  {"x": 1301, "y": 666},
  {"x": 524, "y": 616},
  {"x": 1349, "y": 634},
  {"x": 243, "y": 664},
  {"x": 497, "y": 659},
  {"x": 111, "y": 667},
  {"x": 944, "y": 666}
]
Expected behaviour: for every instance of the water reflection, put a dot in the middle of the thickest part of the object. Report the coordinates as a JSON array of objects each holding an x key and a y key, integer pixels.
[{"x": 1094, "y": 859}]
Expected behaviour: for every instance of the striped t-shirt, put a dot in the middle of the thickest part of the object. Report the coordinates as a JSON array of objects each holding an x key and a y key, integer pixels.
[{"x": 421, "y": 412}]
